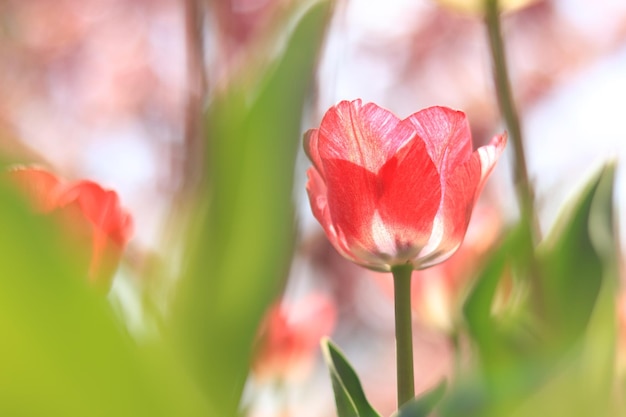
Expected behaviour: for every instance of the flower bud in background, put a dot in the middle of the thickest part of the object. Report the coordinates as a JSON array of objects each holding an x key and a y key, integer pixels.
[
  {"x": 91, "y": 217},
  {"x": 289, "y": 337},
  {"x": 477, "y": 7},
  {"x": 391, "y": 191}
]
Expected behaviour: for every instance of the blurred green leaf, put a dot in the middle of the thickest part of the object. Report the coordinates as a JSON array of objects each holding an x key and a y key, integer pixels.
[
  {"x": 569, "y": 341},
  {"x": 243, "y": 231},
  {"x": 575, "y": 259},
  {"x": 349, "y": 395},
  {"x": 62, "y": 351},
  {"x": 582, "y": 383},
  {"x": 505, "y": 344},
  {"x": 579, "y": 261},
  {"x": 423, "y": 405},
  {"x": 478, "y": 307},
  {"x": 467, "y": 397}
]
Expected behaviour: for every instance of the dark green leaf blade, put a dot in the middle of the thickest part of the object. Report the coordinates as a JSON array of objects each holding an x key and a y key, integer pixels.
[{"x": 349, "y": 395}]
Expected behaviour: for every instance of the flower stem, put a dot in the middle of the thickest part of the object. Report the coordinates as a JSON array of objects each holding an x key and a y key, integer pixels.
[
  {"x": 404, "y": 332},
  {"x": 523, "y": 186}
]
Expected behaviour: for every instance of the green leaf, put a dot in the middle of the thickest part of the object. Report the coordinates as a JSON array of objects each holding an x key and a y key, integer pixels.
[
  {"x": 504, "y": 342},
  {"x": 576, "y": 258},
  {"x": 581, "y": 279},
  {"x": 581, "y": 384},
  {"x": 349, "y": 395},
  {"x": 468, "y": 397},
  {"x": 423, "y": 405},
  {"x": 478, "y": 305},
  {"x": 242, "y": 233},
  {"x": 62, "y": 350},
  {"x": 568, "y": 341}
]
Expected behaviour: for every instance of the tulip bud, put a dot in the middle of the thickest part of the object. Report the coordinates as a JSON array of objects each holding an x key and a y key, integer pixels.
[{"x": 91, "y": 217}]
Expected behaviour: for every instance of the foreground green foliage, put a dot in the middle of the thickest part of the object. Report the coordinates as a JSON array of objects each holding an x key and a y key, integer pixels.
[{"x": 64, "y": 352}]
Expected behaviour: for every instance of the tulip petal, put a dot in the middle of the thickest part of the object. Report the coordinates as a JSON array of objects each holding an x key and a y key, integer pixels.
[
  {"x": 410, "y": 197},
  {"x": 489, "y": 155},
  {"x": 352, "y": 202},
  {"x": 112, "y": 227},
  {"x": 102, "y": 207},
  {"x": 41, "y": 187},
  {"x": 461, "y": 190},
  {"x": 316, "y": 189},
  {"x": 310, "y": 149},
  {"x": 89, "y": 213},
  {"x": 447, "y": 136},
  {"x": 455, "y": 212},
  {"x": 366, "y": 135}
]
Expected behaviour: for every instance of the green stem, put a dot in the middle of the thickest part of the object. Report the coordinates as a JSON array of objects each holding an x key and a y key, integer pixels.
[
  {"x": 404, "y": 332},
  {"x": 455, "y": 341},
  {"x": 523, "y": 186}
]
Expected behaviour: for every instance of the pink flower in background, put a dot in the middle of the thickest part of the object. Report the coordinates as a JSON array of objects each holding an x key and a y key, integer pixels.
[
  {"x": 289, "y": 337},
  {"x": 391, "y": 191},
  {"x": 92, "y": 215}
]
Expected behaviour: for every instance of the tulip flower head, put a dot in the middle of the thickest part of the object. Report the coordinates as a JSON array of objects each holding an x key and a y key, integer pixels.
[
  {"x": 390, "y": 191},
  {"x": 91, "y": 215}
]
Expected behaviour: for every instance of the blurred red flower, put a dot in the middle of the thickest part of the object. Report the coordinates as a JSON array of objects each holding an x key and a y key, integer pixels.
[
  {"x": 389, "y": 191},
  {"x": 92, "y": 214},
  {"x": 290, "y": 335}
]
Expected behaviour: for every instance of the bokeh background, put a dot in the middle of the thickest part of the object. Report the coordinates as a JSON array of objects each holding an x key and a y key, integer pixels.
[{"x": 112, "y": 91}]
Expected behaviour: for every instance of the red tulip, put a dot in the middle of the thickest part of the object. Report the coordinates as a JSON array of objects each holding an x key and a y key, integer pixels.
[
  {"x": 92, "y": 215},
  {"x": 391, "y": 192},
  {"x": 290, "y": 336}
]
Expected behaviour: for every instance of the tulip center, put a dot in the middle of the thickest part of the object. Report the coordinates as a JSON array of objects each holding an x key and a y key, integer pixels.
[{"x": 390, "y": 247}]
